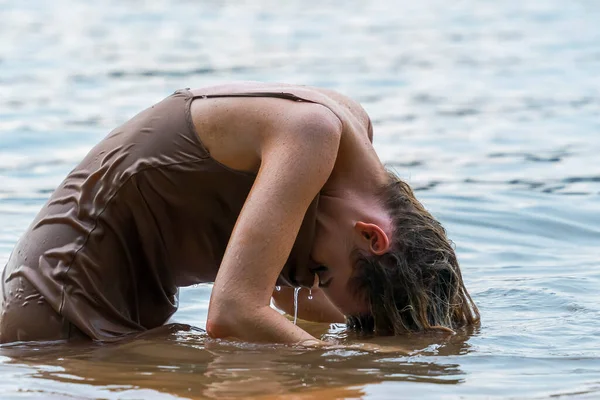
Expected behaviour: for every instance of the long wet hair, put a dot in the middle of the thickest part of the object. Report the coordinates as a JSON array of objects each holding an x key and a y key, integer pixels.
[{"x": 417, "y": 285}]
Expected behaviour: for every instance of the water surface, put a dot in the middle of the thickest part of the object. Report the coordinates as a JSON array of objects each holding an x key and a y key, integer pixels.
[{"x": 490, "y": 109}]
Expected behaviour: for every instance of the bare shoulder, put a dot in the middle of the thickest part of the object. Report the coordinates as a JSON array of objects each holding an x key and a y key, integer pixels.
[
  {"x": 308, "y": 122},
  {"x": 340, "y": 104},
  {"x": 237, "y": 131},
  {"x": 305, "y": 137},
  {"x": 352, "y": 105}
]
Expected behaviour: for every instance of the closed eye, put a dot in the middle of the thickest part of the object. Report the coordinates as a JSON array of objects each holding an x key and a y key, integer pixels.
[
  {"x": 319, "y": 271},
  {"x": 325, "y": 284},
  {"x": 320, "y": 268}
]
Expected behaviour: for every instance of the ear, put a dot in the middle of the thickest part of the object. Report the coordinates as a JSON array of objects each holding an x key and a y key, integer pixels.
[{"x": 377, "y": 240}]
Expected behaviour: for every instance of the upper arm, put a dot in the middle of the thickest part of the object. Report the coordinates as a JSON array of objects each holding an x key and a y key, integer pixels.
[{"x": 295, "y": 164}]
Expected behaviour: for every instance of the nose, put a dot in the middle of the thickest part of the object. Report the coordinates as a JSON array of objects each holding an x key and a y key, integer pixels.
[
  {"x": 305, "y": 277},
  {"x": 296, "y": 274}
]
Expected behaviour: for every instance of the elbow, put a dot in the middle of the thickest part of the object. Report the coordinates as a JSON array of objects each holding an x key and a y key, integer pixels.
[
  {"x": 223, "y": 322},
  {"x": 233, "y": 318},
  {"x": 217, "y": 329},
  {"x": 220, "y": 325}
]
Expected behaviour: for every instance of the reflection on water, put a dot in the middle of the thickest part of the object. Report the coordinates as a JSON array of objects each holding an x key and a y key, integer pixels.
[
  {"x": 489, "y": 109},
  {"x": 180, "y": 360}
]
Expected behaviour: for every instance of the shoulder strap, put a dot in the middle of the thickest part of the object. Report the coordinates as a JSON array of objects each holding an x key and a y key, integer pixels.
[{"x": 279, "y": 95}]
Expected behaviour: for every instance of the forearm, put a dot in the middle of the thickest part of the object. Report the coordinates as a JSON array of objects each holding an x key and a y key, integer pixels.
[
  {"x": 262, "y": 324},
  {"x": 266, "y": 325},
  {"x": 312, "y": 306}
]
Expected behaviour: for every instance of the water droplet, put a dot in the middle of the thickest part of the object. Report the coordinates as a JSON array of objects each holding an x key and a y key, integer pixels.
[
  {"x": 296, "y": 290},
  {"x": 24, "y": 303},
  {"x": 278, "y": 288},
  {"x": 310, "y": 294}
]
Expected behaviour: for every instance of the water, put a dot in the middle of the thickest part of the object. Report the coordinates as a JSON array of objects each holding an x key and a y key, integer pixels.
[
  {"x": 296, "y": 291},
  {"x": 490, "y": 109}
]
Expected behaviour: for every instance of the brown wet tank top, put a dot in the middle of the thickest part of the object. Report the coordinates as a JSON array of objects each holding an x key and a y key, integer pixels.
[{"x": 146, "y": 211}]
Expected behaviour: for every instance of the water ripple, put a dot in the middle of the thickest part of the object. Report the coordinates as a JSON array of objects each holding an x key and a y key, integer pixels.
[{"x": 488, "y": 109}]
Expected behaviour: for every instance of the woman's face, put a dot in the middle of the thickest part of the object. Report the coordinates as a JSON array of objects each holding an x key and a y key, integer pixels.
[
  {"x": 342, "y": 227},
  {"x": 334, "y": 266}
]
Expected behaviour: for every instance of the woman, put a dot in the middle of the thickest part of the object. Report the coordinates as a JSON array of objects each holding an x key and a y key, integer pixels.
[{"x": 248, "y": 186}]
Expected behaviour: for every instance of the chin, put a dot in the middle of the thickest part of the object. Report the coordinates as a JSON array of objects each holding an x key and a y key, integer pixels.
[
  {"x": 355, "y": 309},
  {"x": 348, "y": 309}
]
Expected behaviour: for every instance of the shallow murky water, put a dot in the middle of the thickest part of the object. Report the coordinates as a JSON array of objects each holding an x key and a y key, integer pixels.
[{"x": 490, "y": 109}]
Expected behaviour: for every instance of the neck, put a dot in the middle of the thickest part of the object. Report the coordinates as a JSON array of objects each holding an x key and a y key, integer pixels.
[
  {"x": 355, "y": 182},
  {"x": 360, "y": 173},
  {"x": 356, "y": 198}
]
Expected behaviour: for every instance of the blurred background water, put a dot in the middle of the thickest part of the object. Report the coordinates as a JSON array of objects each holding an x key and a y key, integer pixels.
[{"x": 490, "y": 109}]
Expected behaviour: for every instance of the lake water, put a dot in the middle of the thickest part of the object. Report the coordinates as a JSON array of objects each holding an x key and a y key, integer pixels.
[{"x": 490, "y": 109}]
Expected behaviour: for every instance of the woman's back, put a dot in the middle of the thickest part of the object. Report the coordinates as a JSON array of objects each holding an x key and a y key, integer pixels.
[{"x": 146, "y": 211}]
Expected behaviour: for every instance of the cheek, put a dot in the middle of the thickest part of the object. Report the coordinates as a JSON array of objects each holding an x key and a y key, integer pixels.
[
  {"x": 320, "y": 248},
  {"x": 344, "y": 300}
]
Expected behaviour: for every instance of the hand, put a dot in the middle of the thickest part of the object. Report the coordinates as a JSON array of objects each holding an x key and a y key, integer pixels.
[{"x": 367, "y": 347}]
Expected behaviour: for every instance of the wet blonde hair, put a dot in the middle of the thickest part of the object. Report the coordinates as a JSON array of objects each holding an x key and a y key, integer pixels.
[{"x": 417, "y": 285}]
